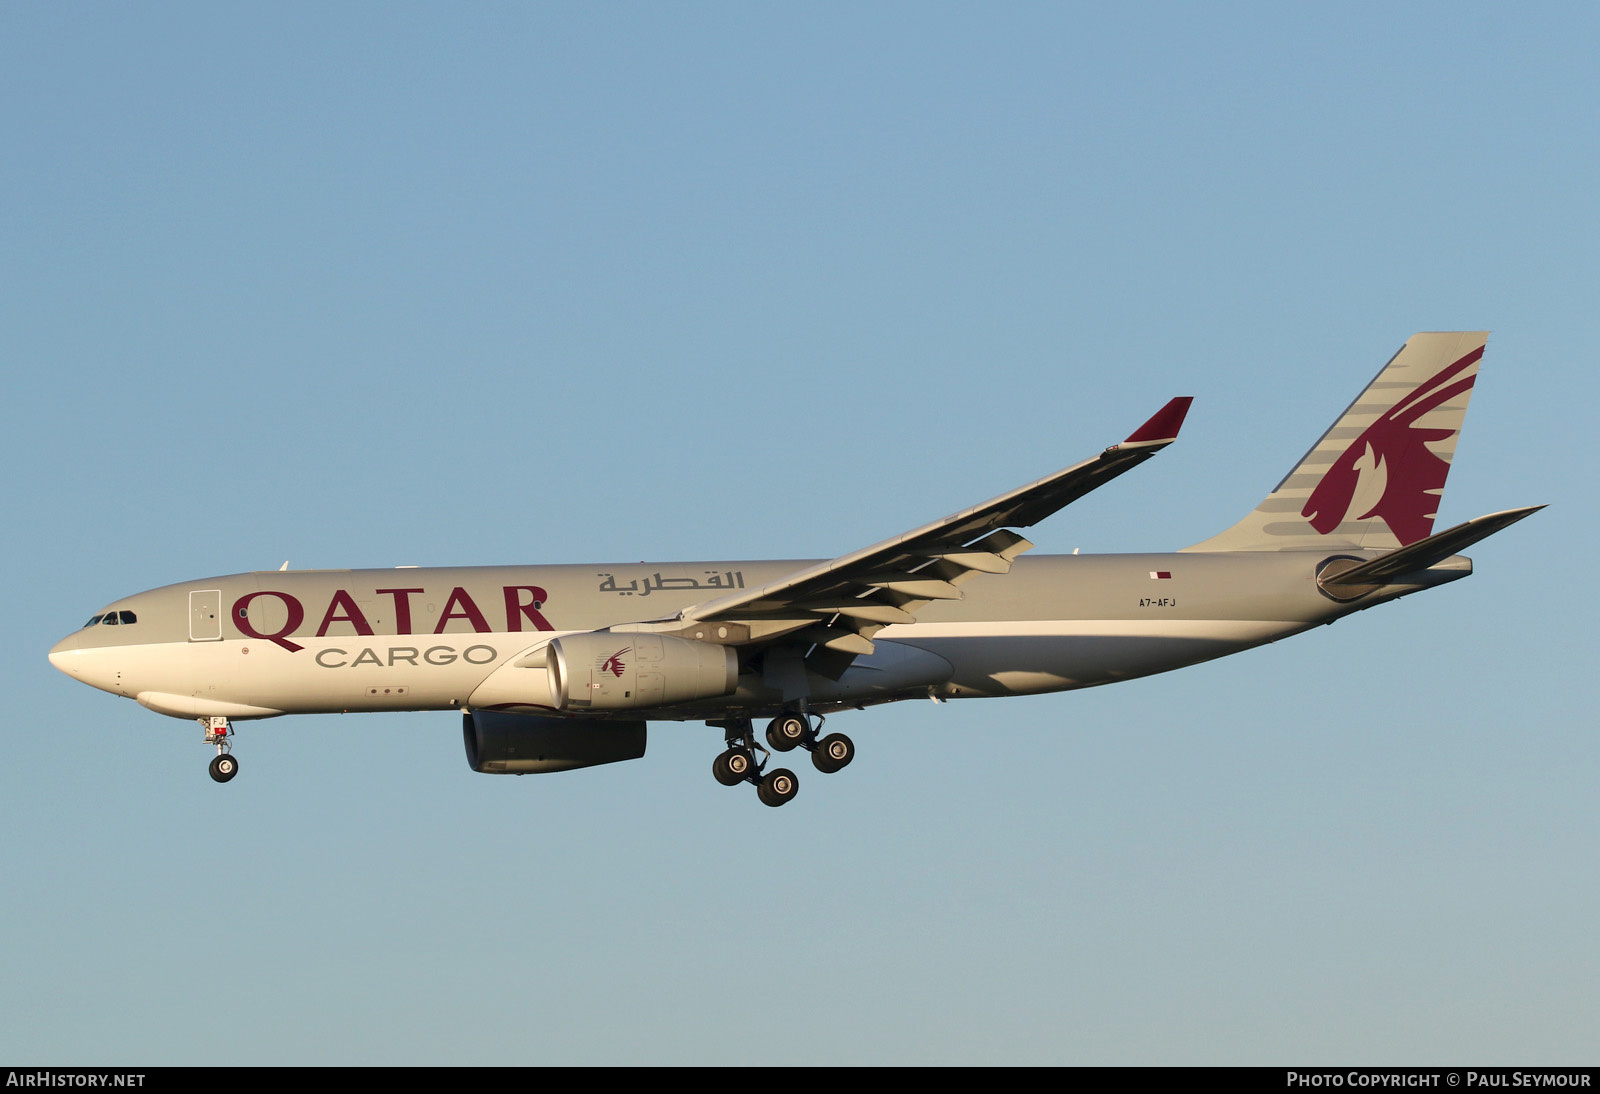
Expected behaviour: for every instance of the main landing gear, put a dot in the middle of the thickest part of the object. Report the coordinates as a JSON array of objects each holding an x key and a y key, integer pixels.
[
  {"x": 832, "y": 753},
  {"x": 738, "y": 764},
  {"x": 218, "y": 732}
]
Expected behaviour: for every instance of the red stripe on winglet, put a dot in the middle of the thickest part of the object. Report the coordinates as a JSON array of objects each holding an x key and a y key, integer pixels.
[{"x": 1165, "y": 423}]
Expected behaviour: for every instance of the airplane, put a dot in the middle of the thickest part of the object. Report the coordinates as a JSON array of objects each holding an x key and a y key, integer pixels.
[{"x": 560, "y": 667}]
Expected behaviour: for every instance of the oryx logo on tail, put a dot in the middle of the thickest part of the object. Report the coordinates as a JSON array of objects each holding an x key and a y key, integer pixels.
[
  {"x": 1389, "y": 472},
  {"x": 1375, "y": 478}
]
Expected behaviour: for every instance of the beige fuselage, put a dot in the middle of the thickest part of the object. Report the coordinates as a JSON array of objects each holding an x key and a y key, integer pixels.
[{"x": 261, "y": 644}]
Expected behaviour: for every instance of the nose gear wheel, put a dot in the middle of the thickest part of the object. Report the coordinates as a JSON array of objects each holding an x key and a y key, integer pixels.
[{"x": 220, "y": 733}]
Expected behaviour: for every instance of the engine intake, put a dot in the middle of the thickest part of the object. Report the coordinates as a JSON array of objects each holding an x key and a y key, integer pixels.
[{"x": 603, "y": 670}]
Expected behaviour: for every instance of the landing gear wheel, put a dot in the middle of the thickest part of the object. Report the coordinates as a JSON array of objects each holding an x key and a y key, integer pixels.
[
  {"x": 778, "y": 787},
  {"x": 219, "y": 733},
  {"x": 833, "y": 753},
  {"x": 787, "y": 730},
  {"x": 733, "y": 766}
]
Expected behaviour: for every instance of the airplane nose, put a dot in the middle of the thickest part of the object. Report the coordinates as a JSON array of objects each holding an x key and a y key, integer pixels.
[
  {"x": 82, "y": 658},
  {"x": 61, "y": 655},
  {"x": 97, "y": 667}
]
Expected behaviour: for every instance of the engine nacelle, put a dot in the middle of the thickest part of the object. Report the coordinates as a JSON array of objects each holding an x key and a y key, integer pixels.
[
  {"x": 522, "y": 744},
  {"x": 602, "y": 670}
]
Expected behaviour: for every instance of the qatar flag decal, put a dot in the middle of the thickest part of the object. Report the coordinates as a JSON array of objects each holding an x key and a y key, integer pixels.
[{"x": 1160, "y": 575}]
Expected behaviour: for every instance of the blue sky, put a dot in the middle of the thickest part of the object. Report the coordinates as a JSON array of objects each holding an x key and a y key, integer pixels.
[{"x": 412, "y": 284}]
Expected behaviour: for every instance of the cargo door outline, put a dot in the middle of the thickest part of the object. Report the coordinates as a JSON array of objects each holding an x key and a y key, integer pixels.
[{"x": 205, "y": 615}]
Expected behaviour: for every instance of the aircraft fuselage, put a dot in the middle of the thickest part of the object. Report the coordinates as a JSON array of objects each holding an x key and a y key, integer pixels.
[{"x": 267, "y": 643}]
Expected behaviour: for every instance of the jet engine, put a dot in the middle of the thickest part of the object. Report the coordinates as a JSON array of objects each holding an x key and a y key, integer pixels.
[
  {"x": 520, "y": 744},
  {"x": 606, "y": 670}
]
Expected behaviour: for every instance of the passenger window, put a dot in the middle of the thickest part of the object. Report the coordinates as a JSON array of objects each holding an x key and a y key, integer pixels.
[{"x": 128, "y": 617}]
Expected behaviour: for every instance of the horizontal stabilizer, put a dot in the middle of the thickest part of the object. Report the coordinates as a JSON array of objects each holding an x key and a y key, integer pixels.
[{"x": 1421, "y": 554}]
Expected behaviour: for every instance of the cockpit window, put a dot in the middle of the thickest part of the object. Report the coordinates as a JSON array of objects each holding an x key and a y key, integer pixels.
[
  {"x": 93, "y": 621},
  {"x": 128, "y": 617},
  {"x": 114, "y": 619},
  {"x": 109, "y": 618}
]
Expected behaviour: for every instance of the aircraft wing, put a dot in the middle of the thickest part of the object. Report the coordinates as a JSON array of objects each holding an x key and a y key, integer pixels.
[{"x": 835, "y": 607}]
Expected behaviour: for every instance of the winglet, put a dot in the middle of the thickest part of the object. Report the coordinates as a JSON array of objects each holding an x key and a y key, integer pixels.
[{"x": 1163, "y": 426}]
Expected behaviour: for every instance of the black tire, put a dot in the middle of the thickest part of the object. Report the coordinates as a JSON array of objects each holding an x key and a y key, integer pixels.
[
  {"x": 224, "y": 767},
  {"x": 732, "y": 766},
  {"x": 778, "y": 787},
  {"x": 833, "y": 753},
  {"x": 786, "y": 731}
]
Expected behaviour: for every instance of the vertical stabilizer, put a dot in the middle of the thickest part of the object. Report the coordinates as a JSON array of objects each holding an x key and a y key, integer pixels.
[{"x": 1375, "y": 479}]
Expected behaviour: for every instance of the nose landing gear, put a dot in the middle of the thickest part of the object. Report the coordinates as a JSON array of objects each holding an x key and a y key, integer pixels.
[{"x": 219, "y": 732}]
